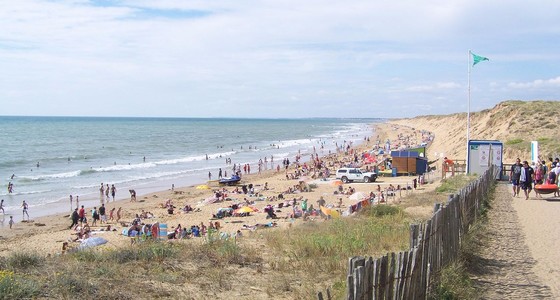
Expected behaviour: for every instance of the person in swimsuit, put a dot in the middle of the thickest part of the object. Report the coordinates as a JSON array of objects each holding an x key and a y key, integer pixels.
[{"x": 25, "y": 207}]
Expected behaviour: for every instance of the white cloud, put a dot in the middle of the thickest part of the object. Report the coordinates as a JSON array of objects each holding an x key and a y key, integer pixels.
[
  {"x": 261, "y": 55},
  {"x": 434, "y": 87},
  {"x": 537, "y": 84}
]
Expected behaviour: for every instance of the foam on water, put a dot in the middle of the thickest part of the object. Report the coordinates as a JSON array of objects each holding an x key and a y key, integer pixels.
[{"x": 77, "y": 154}]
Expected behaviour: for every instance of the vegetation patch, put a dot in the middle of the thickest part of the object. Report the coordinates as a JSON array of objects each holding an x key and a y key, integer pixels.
[
  {"x": 455, "y": 183},
  {"x": 13, "y": 286},
  {"x": 514, "y": 141}
]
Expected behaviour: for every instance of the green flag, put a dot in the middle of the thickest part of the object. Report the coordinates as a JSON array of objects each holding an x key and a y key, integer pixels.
[{"x": 477, "y": 59}]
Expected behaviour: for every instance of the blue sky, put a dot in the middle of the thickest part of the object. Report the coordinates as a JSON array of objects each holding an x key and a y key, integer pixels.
[{"x": 281, "y": 58}]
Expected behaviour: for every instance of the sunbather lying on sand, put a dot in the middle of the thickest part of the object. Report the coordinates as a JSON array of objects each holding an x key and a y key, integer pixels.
[{"x": 256, "y": 226}]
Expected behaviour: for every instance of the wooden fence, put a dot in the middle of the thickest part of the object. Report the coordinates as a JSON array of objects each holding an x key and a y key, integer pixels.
[{"x": 434, "y": 244}]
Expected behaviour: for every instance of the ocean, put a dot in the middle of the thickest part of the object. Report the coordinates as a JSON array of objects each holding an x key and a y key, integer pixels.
[{"x": 51, "y": 158}]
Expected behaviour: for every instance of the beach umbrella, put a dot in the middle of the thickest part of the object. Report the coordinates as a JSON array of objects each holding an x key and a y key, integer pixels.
[
  {"x": 336, "y": 182},
  {"x": 358, "y": 196},
  {"x": 202, "y": 187},
  {"x": 244, "y": 209},
  {"x": 330, "y": 212}
]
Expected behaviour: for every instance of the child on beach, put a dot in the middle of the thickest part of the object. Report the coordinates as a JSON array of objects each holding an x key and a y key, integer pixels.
[
  {"x": 111, "y": 214},
  {"x": 11, "y": 221}
]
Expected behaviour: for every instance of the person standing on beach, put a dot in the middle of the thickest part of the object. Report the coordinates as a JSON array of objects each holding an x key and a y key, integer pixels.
[
  {"x": 75, "y": 218},
  {"x": 101, "y": 190},
  {"x": 132, "y": 195},
  {"x": 77, "y": 201},
  {"x": 82, "y": 214},
  {"x": 11, "y": 221},
  {"x": 119, "y": 214},
  {"x": 25, "y": 207},
  {"x": 102, "y": 215},
  {"x": 209, "y": 176},
  {"x": 107, "y": 190},
  {"x": 94, "y": 216},
  {"x": 220, "y": 173},
  {"x": 2, "y": 207},
  {"x": 71, "y": 203},
  {"x": 515, "y": 175},
  {"x": 113, "y": 191}
]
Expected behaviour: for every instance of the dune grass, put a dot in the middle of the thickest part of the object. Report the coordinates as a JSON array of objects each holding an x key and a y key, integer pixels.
[
  {"x": 320, "y": 251},
  {"x": 295, "y": 262},
  {"x": 454, "y": 184}
]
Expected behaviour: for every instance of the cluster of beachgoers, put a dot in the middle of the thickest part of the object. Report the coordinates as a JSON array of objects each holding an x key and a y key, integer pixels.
[{"x": 303, "y": 190}]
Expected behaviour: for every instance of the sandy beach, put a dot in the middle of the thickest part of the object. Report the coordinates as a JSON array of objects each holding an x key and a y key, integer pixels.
[
  {"x": 46, "y": 234},
  {"x": 536, "y": 219}
]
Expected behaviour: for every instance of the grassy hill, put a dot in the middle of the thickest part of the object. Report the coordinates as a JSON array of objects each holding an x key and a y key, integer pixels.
[{"x": 515, "y": 123}]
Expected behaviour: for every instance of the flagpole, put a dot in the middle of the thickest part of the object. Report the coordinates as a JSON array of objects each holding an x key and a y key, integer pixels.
[{"x": 468, "y": 109}]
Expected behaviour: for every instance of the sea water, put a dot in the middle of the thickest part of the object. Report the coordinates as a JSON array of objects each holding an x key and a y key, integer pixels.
[{"x": 47, "y": 159}]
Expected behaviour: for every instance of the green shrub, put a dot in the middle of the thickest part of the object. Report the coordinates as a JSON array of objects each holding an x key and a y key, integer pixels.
[
  {"x": 16, "y": 287},
  {"x": 24, "y": 260},
  {"x": 89, "y": 256},
  {"x": 453, "y": 283},
  {"x": 383, "y": 210},
  {"x": 455, "y": 183},
  {"x": 69, "y": 285}
]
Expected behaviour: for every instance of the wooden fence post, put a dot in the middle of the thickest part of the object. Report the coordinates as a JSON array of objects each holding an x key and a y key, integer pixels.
[{"x": 433, "y": 245}]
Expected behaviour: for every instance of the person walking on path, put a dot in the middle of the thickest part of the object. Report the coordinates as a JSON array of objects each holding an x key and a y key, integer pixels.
[
  {"x": 526, "y": 179},
  {"x": 515, "y": 175}
]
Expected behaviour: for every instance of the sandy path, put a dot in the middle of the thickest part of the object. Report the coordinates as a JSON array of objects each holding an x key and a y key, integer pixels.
[
  {"x": 507, "y": 267},
  {"x": 540, "y": 222}
]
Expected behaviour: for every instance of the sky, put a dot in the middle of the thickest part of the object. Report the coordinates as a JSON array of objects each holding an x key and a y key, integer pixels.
[{"x": 274, "y": 59}]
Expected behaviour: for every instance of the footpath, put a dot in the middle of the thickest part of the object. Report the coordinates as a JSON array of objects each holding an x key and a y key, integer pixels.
[{"x": 508, "y": 268}]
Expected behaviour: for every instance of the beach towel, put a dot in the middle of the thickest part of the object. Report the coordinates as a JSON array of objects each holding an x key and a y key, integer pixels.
[{"x": 91, "y": 242}]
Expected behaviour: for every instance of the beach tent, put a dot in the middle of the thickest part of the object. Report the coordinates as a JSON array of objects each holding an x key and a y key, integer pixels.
[
  {"x": 330, "y": 212},
  {"x": 336, "y": 182},
  {"x": 244, "y": 209},
  {"x": 358, "y": 196}
]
